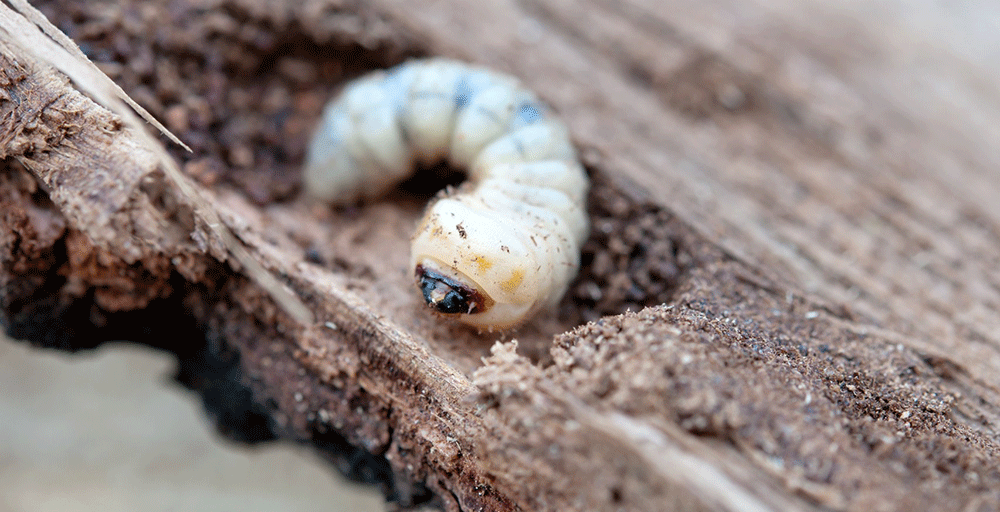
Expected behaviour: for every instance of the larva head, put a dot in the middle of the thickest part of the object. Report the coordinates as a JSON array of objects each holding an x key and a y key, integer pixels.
[
  {"x": 449, "y": 295},
  {"x": 473, "y": 263}
]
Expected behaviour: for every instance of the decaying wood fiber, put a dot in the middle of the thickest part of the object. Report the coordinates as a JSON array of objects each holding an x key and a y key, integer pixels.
[{"x": 786, "y": 303}]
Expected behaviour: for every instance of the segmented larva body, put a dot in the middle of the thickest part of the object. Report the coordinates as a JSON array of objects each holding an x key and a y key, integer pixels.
[{"x": 507, "y": 242}]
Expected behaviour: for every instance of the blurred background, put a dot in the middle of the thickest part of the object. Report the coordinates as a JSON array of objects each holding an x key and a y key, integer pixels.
[{"x": 110, "y": 430}]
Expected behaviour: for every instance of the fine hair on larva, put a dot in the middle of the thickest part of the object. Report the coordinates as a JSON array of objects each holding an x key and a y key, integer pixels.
[{"x": 507, "y": 242}]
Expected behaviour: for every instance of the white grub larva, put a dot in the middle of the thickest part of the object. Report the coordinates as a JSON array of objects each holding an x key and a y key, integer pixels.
[{"x": 507, "y": 242}]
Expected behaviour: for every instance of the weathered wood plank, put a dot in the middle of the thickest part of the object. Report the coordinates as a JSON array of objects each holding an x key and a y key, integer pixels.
[{"x": 815, "y": 217}]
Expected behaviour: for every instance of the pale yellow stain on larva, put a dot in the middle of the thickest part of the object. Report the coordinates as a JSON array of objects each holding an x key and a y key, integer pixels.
[
  {"x": 483, "y": 263},
  {"x": 512, "y": 282}
]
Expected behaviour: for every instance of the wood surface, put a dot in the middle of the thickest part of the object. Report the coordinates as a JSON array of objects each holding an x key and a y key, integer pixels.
[{"x": 787, "y": 301}]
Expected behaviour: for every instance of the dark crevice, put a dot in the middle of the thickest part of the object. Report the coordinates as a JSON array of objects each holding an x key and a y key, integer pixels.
[
  {"x": 637, "y": 256},
  {"x": 206, "y": 364}
]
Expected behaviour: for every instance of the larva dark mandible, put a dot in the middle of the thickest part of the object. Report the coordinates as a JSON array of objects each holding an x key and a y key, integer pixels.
[{"x": 507, "y": 243}]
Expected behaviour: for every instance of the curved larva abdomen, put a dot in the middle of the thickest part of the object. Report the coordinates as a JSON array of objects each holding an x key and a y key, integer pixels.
[{"x": 504, "y": 245}]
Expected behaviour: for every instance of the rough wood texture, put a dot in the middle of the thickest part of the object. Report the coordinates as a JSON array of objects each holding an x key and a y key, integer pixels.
[{"x": 810, "y": 219}]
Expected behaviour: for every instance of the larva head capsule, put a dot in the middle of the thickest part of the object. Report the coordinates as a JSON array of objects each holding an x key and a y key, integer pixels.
[
  {"x": 450, "y": 293},
  {"x": 450, "y": 296}
]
